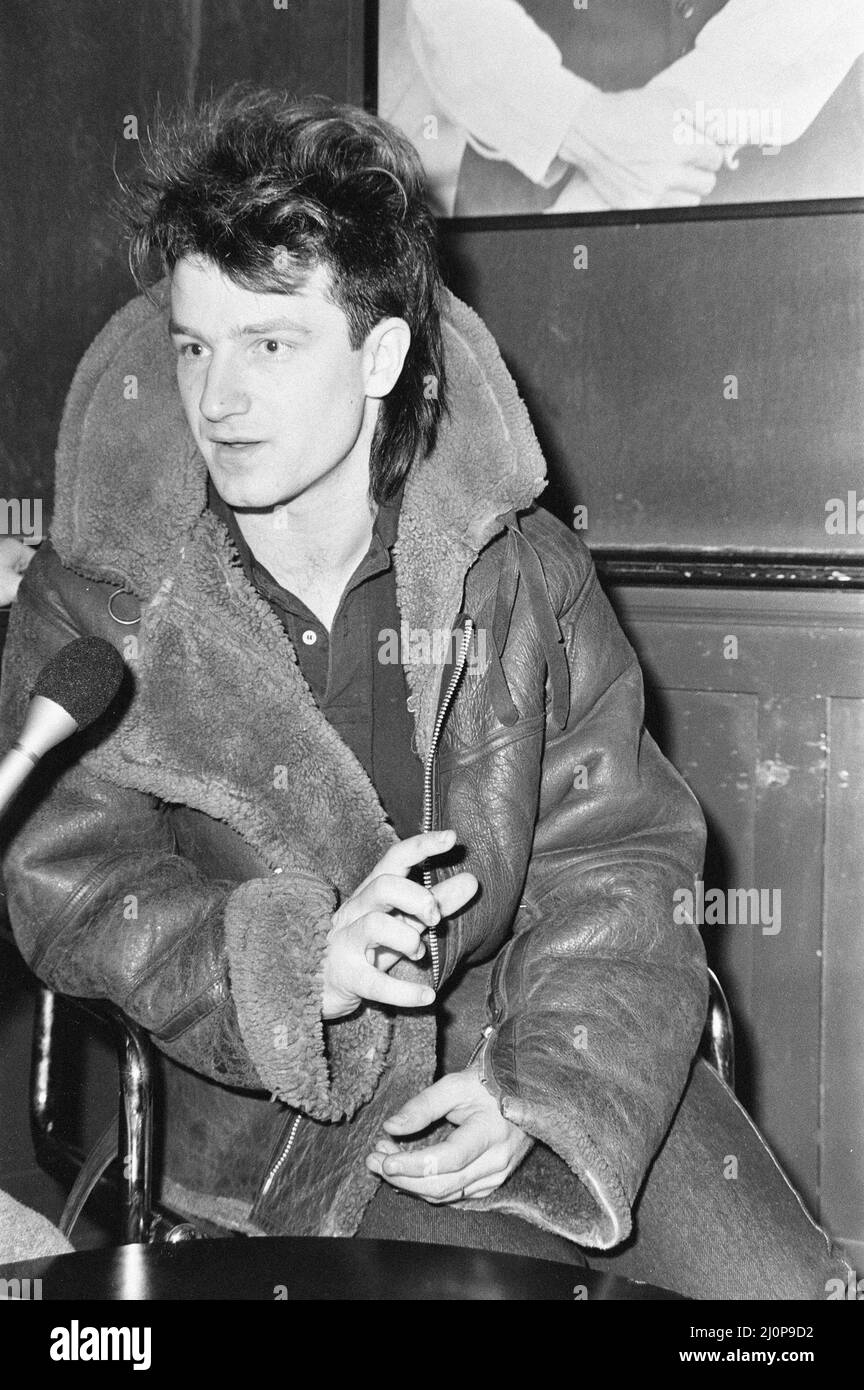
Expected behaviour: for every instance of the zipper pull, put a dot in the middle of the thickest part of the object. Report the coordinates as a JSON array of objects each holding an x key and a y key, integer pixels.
[{"x": 484, "y": 1038}]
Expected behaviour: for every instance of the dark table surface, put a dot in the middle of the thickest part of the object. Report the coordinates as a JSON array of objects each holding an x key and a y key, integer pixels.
[{"x": 316, "y": 1269}]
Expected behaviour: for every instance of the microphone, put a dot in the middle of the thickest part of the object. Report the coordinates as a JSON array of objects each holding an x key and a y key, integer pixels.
[{"x": 72, "y": 690}]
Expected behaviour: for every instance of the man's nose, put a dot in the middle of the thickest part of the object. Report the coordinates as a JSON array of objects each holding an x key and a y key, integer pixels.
[{"x": 224, "y": 392}]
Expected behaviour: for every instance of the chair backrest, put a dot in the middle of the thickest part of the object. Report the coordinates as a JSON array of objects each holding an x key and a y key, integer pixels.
[
  {"x": 718, "y": 1038},
  {"x": 129, "y": 1137}
]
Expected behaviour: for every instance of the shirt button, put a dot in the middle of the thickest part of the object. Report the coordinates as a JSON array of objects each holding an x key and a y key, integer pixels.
[
  {"x": 685, "y": 9},
  {"x": 310, "y": 637}
]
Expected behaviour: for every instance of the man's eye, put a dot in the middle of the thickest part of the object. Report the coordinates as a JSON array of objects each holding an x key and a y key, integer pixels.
[
  {"x": 274, "y": 347},
  {"x": 189, "y": 349}
]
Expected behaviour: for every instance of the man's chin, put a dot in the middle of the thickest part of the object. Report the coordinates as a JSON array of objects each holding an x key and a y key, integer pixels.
[{"x": 243, "y": 494}]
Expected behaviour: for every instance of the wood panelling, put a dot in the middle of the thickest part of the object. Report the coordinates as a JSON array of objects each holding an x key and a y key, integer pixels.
[
  {"x": 843, "y": 975},
  {"x": 772, "y": 742}
]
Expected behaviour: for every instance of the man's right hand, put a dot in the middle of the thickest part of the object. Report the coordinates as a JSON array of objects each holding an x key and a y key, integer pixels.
[{"x": 383, "y": 921}]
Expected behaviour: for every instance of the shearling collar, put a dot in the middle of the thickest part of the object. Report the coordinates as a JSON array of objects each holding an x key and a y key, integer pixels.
[
  {"x": 132, "y": 487},
  {"x": 130, "y": 480}
]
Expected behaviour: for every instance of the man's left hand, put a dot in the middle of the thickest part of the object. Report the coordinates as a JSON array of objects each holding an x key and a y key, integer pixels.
[{"x": 471, "y": 1162}]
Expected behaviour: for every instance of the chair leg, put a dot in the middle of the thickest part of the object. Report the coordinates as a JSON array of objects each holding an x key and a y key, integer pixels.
[
  {"x": 130, "y": 1136},
  {"x": 41, "y": 1094},
  {"x": 136, "y": 1127}
]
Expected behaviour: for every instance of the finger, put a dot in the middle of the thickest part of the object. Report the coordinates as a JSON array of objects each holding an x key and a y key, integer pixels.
[
  {"x": 706, "y": 156},
  {"x": 385, "y": 1146},
  {"x": 453, "y": 893},
  {"x": 379, "y": 929},
  {"x": 702, "y": 153},
  {"x": 456, "y": 1152},
  {"x": 446, "y": 1187},
  {"x": 635, "y": 197},
  {"x": 384, "y": 959},
  {"x": 676, "y": 198},
  {"x": 388, "y": 893},
  {"x": 484, "y": 1188},
  {"x": 401, "y": 858},
  {"x": 432, "y": 1104},
  {"x": 383, "y": 989},
  {"x": 693, "y": 181}
]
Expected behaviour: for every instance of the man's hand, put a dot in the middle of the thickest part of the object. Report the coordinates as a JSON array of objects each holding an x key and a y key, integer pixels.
[
  {"x": 474, "y": 1160},
  {"x": 383, "y": 921},
  {"x": 637, "y": 150},
  {"x": 15, "y": 556}
]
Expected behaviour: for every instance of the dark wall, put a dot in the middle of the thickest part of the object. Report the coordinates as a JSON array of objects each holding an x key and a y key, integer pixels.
[
  {"x": 71, "y": 71},
  {"x": 624, "y": 365}
]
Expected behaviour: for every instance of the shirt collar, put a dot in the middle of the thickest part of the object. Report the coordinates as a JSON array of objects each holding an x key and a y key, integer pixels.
[{"x": 377, "y": 558}]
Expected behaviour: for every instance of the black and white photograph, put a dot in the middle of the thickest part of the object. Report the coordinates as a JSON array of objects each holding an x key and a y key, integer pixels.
[
  {"x": 520, "y": 106},
  {"x": 432, "y": 684}
]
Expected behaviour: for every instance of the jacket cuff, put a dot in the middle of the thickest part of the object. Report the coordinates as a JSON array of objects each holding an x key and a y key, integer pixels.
[
  {"x": 276, "y": 936},
  {"x": 602, "y": 1222}
]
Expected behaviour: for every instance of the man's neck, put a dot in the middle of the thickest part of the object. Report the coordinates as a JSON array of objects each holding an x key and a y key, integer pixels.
[{"x": 313, "y": 544}]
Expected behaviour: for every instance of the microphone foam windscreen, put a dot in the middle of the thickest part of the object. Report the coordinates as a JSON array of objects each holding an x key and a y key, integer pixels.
[{"x": 83, "y": 677}]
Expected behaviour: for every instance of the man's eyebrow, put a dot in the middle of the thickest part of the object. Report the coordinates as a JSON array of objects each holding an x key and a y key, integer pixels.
[{"x": 270, "y": 326}]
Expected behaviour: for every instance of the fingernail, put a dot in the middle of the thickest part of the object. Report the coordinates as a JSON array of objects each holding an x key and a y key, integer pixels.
[{"x": 427, "y": 996}]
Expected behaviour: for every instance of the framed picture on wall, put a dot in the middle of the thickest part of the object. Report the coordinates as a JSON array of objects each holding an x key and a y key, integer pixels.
[{"x": 595, "y": 106}]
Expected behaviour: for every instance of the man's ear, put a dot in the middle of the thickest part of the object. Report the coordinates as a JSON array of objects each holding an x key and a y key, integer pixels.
[{"x": 384, "y": 353}]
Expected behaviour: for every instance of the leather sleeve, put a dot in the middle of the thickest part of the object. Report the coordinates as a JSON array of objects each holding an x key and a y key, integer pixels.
[
  {"x": 226, "y": 976},
  {"x": 598, "y": 1001}
]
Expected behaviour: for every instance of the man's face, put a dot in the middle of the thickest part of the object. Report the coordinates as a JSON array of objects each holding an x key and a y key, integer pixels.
[{"x": 274, "y": 394}]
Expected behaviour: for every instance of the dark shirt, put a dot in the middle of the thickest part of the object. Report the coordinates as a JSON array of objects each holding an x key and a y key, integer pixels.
[{"x": 362, "y": 696}]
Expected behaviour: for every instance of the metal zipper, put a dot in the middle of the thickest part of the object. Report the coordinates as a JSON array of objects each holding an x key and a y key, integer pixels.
[
  {"x": 428, "y": 774},
  {"x": 428, "y": 813},
  {"x": 275, "y": 1168}
]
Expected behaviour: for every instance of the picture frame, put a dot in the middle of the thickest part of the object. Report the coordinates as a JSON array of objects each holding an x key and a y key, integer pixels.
[{"x": 807, "y": 150}]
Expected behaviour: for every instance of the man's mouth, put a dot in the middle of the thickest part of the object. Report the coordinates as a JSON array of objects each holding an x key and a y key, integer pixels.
[{"x": 230, "y": 448}]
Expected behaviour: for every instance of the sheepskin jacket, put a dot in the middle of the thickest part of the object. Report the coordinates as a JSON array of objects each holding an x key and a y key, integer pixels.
[{"x": 183, "y": 858}]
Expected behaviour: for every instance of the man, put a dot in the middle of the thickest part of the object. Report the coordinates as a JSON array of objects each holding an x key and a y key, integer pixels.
[{"x": 297, "y": 860}]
